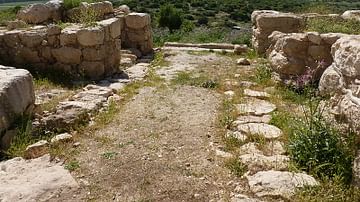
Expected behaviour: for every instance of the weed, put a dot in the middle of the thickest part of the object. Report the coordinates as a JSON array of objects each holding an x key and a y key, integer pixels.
[
  {"x": 159, "y": 60},
  {"x": 318, "y": 148},
  {"x": 8, "y": 15},
  {"x": 228, "y": 114},
  {"x": 23, "y": 138},
  {"x": 330, "y": 191},
  {"x": 122, "y": 145},
  {"x": 87, "y": 17},
  {"x": 236, "y": 166},
  {"x": 283, "y": 120},
  {"x": 72, "y": 165},
  {"x": 262, "y": 74},
  {"x": 69, "y": 4},
  {"x": 232, "y": 143},
  {"x": 252, "y": 54},
  {"x": 259, "y": 139},
  {"x": 185, "y": 78},
  {"x": 109, "y": 155}
]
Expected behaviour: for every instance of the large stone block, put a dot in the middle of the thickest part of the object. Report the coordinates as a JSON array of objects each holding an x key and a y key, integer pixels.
[
  {"x": 266, "y": 22},
  {"x": 68, "y": 37},
  {"x": 93, "y": 70},
  {"x": 113, "y": 26},
  {"x": 91, "y": 36},
  {"x": 137, "y": 20},
  {"x": 35, "y": 13},
  {"x": 16, "y": 95},
  {"x": 31, "y": 38},
  {"x": 67, "y": 55}
]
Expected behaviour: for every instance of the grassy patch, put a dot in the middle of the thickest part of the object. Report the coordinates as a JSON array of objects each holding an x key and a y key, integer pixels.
[
  {"x": 283, "y": 120},
  {"x": 8, "y": 15},
  {"x": 335, "y": 25},
  {"x": 69, "y": 4},
  {"x": 316, "y": 147},
  {"x": 159, "y": 60},
  {"x": 186, "y": 78},
  {"x": 236, "y": 166},
  {"x": 72, "y": 165},
  {"x": 329, "y": 191},
  {"x": 228, "y": 114},
  {"x": 262, "y": 74},
  {"x": 109, "y": 155}
]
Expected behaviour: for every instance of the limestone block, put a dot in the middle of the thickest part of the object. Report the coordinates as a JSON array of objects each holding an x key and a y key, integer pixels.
[
  {"x": 35, "y": 13},
  {"x": 137, "y": 20},
  {"x": 92, "y": 54},
  {"x": 68, "y": 37},
  {"x": 31, "y": 38},
  {"x": 90, "y": 36},
  {"x": 37, "y": 149},
  {"x": 67, "y": 55},
  {"x": 113, "y": 25},
  {"x": 93, "y": 70}
]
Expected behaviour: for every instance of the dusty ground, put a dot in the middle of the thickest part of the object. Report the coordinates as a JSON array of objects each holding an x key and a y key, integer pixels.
[{"x": 160, "y": 146}]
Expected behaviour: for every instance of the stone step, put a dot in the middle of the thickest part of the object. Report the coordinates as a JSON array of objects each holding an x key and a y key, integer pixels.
[
  {"x": 255, "y": 107},
  {"x": 263, "y": 129}
]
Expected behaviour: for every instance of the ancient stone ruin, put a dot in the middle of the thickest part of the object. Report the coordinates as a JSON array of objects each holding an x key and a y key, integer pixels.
[{"x": 49, "y": 38}]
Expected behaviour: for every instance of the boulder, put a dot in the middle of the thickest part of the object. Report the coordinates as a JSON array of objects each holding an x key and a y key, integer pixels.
[
  {"x": 16, "y": 95},
  {"x": 295, "y": 54},
  {"x": 278, "y": 183},
  {"x": 34, "y": 180},
  {"x": 61, "y": 138},
  {"x": 341, "y": 79},
  {"x": 243, "y": 61},
  {"x": 266, "y": 22},
  {"x": 351, "y": 14},
  {"x": 40, "y": 13},
  {"x": 124, "y": 8}
]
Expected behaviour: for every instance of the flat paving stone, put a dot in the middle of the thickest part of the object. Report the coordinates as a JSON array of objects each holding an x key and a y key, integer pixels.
[
  {"x": 256, "y": 107},
  {"x": 266, "y": 130},
  {"x": 256, "y": 94}
]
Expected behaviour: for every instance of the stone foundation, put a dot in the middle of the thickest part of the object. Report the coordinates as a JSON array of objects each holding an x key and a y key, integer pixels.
[{"x": 91, "y": 52}]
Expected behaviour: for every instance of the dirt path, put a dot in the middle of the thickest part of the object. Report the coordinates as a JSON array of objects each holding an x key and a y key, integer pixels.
[{"x": 159, "y": 147}]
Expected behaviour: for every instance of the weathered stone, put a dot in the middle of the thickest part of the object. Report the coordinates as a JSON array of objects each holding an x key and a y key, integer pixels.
[
  {"x": 28, "y": 55},
  {"x": 35, "y": 13},
  {"x": 278, "y": 183},
  {"x": 250, "y": 148},
  {"x": 256, "y": 107},
  {"x": 102, "y": 8},
  {"x": 67, "y": 55},
  {"x": 243, "y": 61},
  {"x": 34, "y": 180},
  {"x": 137, "y": 20},
  {"x": 275, "y": 148},
  {"x": 16, "y": 94},
  {"x": 223, "y": 154},
  {"x": 124, "y": 8},
  {"x": 53, "y": 30},
  {"x": 263, "y": 129},
  {"x": 68, "y": 37},
  {"x": 351, "y": 14},
  {"x": 91, "y": 36},
  {"x": 356, "y": 171},
  {"x": 92, "y": 54},
  {"x": 61, "y": 138},
  {"x": 266, "y": 22},
  {"x": 114, "y": 26},
  {"x": 256, "y": 162},
  {"x": 94, "y": 70},
  {"x": 15, "y": 24},
  {"x": 138, "y": 71},
  {"x": 5, "y": 141},
  {"x": 256, "y": 94},
  {"x": 236, "y": 134},
  {"x": 241, "y": 49},
  {"x": 252, "y": 119},
  {"x": 37, "y": 149}
]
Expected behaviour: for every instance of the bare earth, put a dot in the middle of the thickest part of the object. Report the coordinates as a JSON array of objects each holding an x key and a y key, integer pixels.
[{"x": 159, "y": 147}]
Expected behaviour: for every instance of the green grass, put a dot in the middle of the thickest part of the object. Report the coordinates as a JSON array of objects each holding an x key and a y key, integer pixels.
[
  {"x": 186, "y": 78},
  {"x": 69, "y": 4},
  {"x": 72, "y": 165},
  {"x": 236, "y": 166},
  {"x": 329, "y": 191},
  {"x": 262, "y": 74},
  {"x": 8, "y": 14},
  {"x": 335, "y": 25},
  {"x": 109, "y": 155}
]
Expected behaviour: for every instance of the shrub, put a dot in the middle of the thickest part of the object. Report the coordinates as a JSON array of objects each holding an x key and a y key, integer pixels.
[
  {"x": 69, "y": 4},
  {"x": 87, "y": 17},
  {"x": 244, "y": 38},
  {"x": 169, "y": 17},
  {"x": 8, "y": 15},
  {"x": 318, "y": 148}
]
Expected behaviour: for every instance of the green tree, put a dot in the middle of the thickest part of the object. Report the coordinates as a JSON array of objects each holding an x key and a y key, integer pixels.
[{"x": 170, "y": 17}]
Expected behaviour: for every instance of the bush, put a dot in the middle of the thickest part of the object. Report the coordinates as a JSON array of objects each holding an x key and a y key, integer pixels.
[
  {"x": 8, "y": 15},
  {"x": 169, "y": 17},
  {"x": 318, "y": 148},
  {"x": 87, "y": 17}
]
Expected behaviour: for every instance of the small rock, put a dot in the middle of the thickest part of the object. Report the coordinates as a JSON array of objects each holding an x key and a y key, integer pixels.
[
  {"x": 256, "y": 94},
  {"x": 243, "y": 61},
  {"x": 266, "y": 130},
  {"x": 36, "y": 150},
  {"x": 236, "y": 134},
  {"x": 256, "y": 161},
  {"x": 240, "y": 49},
  {"x": 76, "y": 144},
  {"x": 278, "y": 183},
  {"x": 229, "y": 93},
  {"x": 61, "y": 138},
  {"x": 223, "y": 154},
  {"x": 250, "y": 148},
  {"x": 275, "y": 148}
]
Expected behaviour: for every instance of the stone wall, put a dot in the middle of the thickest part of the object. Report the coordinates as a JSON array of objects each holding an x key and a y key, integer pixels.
[
  {"x": 16, "y": 98},
  {"x": 93, "y": 52},
  {"x": 292, "y": 54},
  {"x": 342, "y": 80},
  {"x": 137, "y": 32}
]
